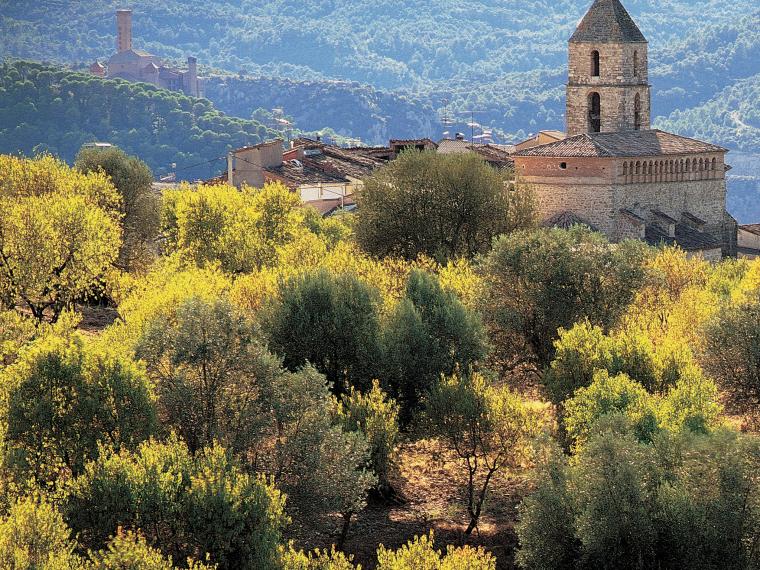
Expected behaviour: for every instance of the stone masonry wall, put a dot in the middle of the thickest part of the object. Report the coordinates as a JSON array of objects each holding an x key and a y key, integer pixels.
[
  {"x": 617, "y": 85},
  {"x": 600, "y": 204}
]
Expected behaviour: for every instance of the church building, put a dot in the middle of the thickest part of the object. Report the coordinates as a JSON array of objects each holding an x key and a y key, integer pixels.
[
  {"x": 137, "y": 65},
  {"x": 611, "y": 171}
]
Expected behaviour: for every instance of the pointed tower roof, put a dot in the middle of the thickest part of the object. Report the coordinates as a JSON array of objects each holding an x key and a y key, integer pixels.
[{"x": 607, "y": 21}]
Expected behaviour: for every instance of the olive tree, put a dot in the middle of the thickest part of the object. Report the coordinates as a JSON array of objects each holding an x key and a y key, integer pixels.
[
  {"x": 541, "y": 281},
  {"x": 210, "y": 371},
  {"x": 685, "y": 501},
  {"x": 59, "y": 233},
  {"x": 441, "y": 205},
  {"x": 487, "y": 427},
  {"x": 63, "y": 399},
  {"x": 429, "y": 333},
  {"x": 330, "y": 322},
  {"x": 140, "y": 204},
  {"x": 376, "y": 416},
  {"x": 732, "y": 354},
  {"x": 184, "y": 504}
]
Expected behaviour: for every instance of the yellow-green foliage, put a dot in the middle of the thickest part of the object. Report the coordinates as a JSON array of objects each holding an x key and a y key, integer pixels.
[
  {"x": 63, "y": 398},
  {"x": 158, "y": 294},
  {"x": 59, "y": 233},
  {"x": 309, "y": 252},
  {"x": 418, "y": 554},
  {"x": 34, "y": 536},
  {"x": 375, "y": 415},
  {"x": 681, "y": 294},
  {"x": 421, "y": 554},
  {"x": 318, "y": 560},
  {"x": 130, "y": 551},
  {"x": 239, "y": 229},
  {"x": 46, "y": 175},
  {"x": 691, "y": 404}
]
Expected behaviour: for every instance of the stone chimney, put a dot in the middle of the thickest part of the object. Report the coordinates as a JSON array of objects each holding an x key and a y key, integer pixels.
[{"x": 123, "y": 30}]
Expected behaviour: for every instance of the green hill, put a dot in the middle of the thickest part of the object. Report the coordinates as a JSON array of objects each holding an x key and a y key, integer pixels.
[
  {"x": 503, "y": 60},
  {"x": 730, "y": 118},
  {"x": 46, "y": 109}
]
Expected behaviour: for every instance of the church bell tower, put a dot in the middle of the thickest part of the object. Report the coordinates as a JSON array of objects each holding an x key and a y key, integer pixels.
[{"x": 608, "y": 79}]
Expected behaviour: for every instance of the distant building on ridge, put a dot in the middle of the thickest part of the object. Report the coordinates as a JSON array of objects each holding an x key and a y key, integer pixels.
[{"x": 135, "y": 65}]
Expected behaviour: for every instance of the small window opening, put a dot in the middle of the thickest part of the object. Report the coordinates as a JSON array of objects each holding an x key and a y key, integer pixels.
[
  {"x": 637, "y": 112},
  {"x": 595, "y": 113},
  {"x": 595, "y": 64},
  {"x": 563, "y": 165}
]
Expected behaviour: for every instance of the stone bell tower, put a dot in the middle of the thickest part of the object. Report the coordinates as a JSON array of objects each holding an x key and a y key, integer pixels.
[{"x": 608, "y": 79}]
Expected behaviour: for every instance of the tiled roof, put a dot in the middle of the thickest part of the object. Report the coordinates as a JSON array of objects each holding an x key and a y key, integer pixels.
[
  {"x": 294, "y": 175},
  {"x": 410, "y": 142},
  {"x": 447, "y": 146},
  {"x": 497, "y": 155},
  {"x": 130, "y": 56},
  {"x": 566, "y": 220},
  {"x": 686, "y": 237},
  {"x": 622, "y": 144},
  {"x": 356, "y": 162},
  {"x": 607, "y": 21},
  {"x": 329, "y": 206},
  {"x": 751, "y": 228}
]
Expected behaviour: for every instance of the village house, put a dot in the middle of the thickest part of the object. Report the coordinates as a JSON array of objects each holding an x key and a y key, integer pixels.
[
  {"x": 327, "y": 176},
  {"x": 748, "y": 241},
  {"x": 612, "y": 172},
  {"x": 324, "y": 176},
  {"x": 136, "y": 65}
]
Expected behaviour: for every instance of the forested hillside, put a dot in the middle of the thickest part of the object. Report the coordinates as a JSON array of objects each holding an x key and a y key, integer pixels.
[
  {"x": 47, "y": 109},
  {"x": 349, "y": 107},
  {"x": 503, "y": 60}
]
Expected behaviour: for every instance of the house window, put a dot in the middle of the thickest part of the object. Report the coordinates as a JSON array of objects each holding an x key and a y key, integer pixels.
[
  {"x": 635, "y": 64},
  {"x": 595, "y": 113},
  {"x": 563, "y": 165},
  {"x": 595, "y": 63}
]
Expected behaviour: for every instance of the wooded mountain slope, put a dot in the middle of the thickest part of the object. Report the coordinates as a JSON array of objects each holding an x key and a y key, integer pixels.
[
  {"x": 503, "y": 60},
  {"x": 47, "y": 109}
]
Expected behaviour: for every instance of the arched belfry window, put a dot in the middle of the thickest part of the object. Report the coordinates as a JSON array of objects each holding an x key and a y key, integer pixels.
[
  {"x": 594, "y": 113},
  {"x": 637, "y": 112},
  {"x": 595, "y": 69},
  {"x": 635, "y": 64}
]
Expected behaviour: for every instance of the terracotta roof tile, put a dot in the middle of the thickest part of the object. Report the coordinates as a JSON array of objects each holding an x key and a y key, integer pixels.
[
  {"x": 622, "y": 144},
  {"x": 297, "y": 176},
  {"x": 686, "y": 237},
  {"x": 566, "y": 220},
  {"x": 751, "y": 228}
]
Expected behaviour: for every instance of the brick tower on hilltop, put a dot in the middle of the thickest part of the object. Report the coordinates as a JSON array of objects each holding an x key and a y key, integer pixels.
[{"x": 608, "y": 81}]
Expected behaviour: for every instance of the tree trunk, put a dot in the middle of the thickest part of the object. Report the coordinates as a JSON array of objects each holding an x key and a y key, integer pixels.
[{"x": 344, "y": 530}]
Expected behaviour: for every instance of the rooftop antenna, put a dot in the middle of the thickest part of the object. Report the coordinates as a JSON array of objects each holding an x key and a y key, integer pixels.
[
  {"x": 473, "y": 125},
  {"x": 445, "y": 118}
]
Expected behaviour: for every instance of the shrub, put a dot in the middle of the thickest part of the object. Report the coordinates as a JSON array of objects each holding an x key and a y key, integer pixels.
[
  {"x": 376, "y": 417},
  {"x": 330, "y": 322},
  {"x": 429, "y": 333},
  {"x": 185, "y": 505}
]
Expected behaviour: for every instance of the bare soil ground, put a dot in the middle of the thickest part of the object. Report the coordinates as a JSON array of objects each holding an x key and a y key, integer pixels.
[
  {"x": 433, "y": 487},
  {"x": 95, "y": 318}
]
